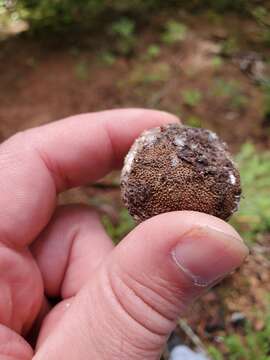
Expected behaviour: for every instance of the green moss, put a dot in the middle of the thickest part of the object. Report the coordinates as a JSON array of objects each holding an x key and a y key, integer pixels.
[{"x": 191, "y": 97}]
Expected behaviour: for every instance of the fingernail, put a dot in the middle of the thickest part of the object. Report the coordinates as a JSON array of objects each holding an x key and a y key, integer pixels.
[{"x": 206, "y": 255}]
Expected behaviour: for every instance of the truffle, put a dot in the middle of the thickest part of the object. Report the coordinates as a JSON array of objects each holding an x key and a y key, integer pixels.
[{"x": 176, "y": 167}]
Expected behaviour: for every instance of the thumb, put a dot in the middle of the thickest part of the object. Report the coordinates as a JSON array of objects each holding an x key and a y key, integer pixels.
[{"x": 132, "y": 303}]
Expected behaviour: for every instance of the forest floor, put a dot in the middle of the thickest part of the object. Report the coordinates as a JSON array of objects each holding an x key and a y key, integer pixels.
[{"x": 203, "y": 78}]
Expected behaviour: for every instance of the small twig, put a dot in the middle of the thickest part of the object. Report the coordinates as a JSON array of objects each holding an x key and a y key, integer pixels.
[{"x": 192, "y": 336}]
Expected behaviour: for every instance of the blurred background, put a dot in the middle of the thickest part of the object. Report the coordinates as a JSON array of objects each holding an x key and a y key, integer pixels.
[{"x": 208, "y": 61}]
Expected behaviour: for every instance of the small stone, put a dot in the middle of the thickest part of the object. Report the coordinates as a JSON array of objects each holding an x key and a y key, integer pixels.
[
  {"x": 238, "y": 319},
  {"x": 176, "y": 167}
]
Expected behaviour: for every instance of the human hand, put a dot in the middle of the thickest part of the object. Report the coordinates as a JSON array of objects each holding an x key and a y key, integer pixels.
[{"x": 117, "y": 303}]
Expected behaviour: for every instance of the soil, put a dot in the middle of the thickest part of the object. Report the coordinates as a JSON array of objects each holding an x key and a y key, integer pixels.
[{"x": 45, "y": 82}]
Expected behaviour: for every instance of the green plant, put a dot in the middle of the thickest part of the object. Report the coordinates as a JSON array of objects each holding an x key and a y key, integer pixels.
[
  {"x": 152, "y": 52},
  {"x": 194, "y": 121},
  {"x": 60, "y": 15},
  {"x": 262, "y": 16},
  {"x": 224, "y": 88},
  {"x": 124, "y": 31},
  {"x": 250, "y": 346},
  {"x": 82, "y": 70},
  {"x": 160, "y": 72},
  {"x": 266, "y": 36},
  {"x": 143, "y": 74},
  {"x": 231, "y": 91},
  {"x": 229, "y": 47},
  {"x": 107, "y": 57},
  {"x": 265, "y": 86},
  {"x": 125, "y": 225},
  {"x": 213, "y": 17},
  {"x": 235, "y": 347},
  {"x": 174, "y": 32},
  {"x": 253, "y": 216},
  {"x": 214, "y": 353},
  {"x": 191, "y": 97},
  {"x": 239, "y": 101},
  {"x": 123, "y": 27},
  {"x": 217, "y": 62}
]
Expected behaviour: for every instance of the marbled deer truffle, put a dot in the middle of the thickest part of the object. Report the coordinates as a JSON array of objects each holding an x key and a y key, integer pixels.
[{"x": 176, "y": 167}]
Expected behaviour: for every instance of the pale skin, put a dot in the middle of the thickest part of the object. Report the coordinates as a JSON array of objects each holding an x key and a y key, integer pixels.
[{"x": 115, "y": 302}]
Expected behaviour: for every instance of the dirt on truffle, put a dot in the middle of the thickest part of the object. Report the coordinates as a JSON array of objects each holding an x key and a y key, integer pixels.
[{"x": 180, "y": 168}]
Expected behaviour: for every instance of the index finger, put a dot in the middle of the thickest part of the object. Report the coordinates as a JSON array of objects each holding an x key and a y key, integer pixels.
[{"x": 39, "y": 163}]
